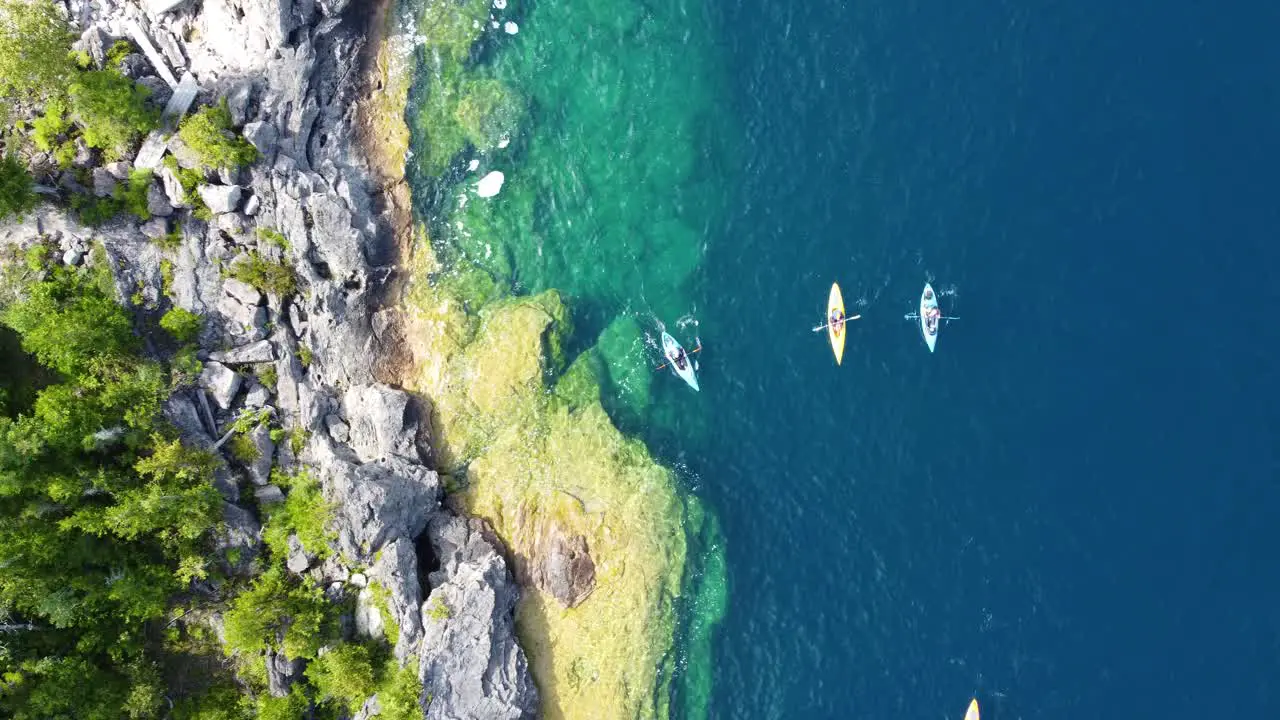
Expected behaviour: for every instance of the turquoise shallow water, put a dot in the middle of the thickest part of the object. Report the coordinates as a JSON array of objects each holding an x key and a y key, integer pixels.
[{"x": 1065, "y": 511}]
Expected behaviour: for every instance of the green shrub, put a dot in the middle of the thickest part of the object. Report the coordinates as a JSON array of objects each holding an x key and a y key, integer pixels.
[
  {"x": 52, "y": 125},
  {"x": 400, "y": 691},
  {"x": 35, "y": 42},
  {"x": 133, "y": 194},
  {"x": 118, "y": 51},
  {"x": 94, "y": 211},
  {"x": 244, "y": 449},
  {"x": 273, "y": 278},
  {"x": 112, "y": 110},
  {"x": 273, "y": 237},
  {"x": 305, "y": 356},
  {"x": 171, "y": 240},
  {"x": 182, "y": 324},
  {"x": 343, "y": 676},
  {"x": 185, "y": 366},
  {"x": 16, "y": 195},
  {"x": 278, "y": 613},
  {"x": 208, "y": 133},
  {"x": 293, "y": 706},
  {"x": 381, "y": 601},
  {"x": 304, "y": 512},
  {"x": 266, "y": 373}
]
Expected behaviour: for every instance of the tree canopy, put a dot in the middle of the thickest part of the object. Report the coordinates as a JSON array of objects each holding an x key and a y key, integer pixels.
[{"x": 35, "y": 45}]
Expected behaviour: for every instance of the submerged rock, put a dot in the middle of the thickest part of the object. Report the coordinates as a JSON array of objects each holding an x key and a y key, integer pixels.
[{"x": 565, "y": 570}]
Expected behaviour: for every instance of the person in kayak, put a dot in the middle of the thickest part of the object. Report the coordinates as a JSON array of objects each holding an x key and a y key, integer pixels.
[
  {"x": 931, "y": 317},
  {"x": 681, "y": 360},
  {"x": 836, "y": 320}
]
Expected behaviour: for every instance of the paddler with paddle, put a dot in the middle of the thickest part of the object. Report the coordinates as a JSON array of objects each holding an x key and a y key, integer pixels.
[{"x": 836, "y": 320}]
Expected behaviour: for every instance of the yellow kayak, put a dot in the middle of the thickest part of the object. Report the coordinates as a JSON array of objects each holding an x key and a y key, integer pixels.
[
  {"x": 972, "y": 712},
  {"x": 836, "y": 330}
]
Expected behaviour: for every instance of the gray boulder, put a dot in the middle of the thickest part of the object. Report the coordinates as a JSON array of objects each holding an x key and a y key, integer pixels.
[
  {"x": 381, "y": 422},
  {"x": 282, "y": 673},
  {"x": 222, "y": 383},
  {"x": 157, "y": 202},
  {"x": 72, "y": 257},
  {"x": 183, "y": 153},
  {"x": 103, "y": 183},
  {"x": 262, "y": 135},
  {"x": 160, "y": 90},
  {"x": 173, "y": 190},
  {"x": 297, "y": 561},
  {"x": 469, "y": 662},
  {"x": 257, "y": 396},
  {"x": 396, "y": 570},
  {"x": 237, "y": 539},
  {"x": 260, "y": 468},
  {"x": 258, "y": 352},
  {"x": 268, "y": 494},
  {"x": 220, "y": 198},
  {"x": 243, "y": 292},
  {"x": 246, "y": 319},
  {"x": 118, "y": 169},
  {"x": 377, "y": 502}
]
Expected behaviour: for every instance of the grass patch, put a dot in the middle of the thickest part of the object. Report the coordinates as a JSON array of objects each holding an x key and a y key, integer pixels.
[{"x": 183, "y": 325}]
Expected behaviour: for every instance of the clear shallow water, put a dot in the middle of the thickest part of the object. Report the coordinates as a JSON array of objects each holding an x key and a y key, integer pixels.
[{"x": 1068, "y": 510}]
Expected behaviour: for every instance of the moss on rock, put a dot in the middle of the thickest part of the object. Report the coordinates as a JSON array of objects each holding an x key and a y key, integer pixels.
[{"x": 542, "y": 459}]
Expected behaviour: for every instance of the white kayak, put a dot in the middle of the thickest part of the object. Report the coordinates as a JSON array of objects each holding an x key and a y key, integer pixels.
[
  {"x": 930, "y": 316},
  {"x": 678, "y": 359}
]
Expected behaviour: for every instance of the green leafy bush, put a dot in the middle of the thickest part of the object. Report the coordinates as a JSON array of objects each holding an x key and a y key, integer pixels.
[
  {"x": 112, "y": 110},
  {"x": 208, "y": 132},
  {"x": 133, "y": 194},
  {"x": 400, "y": 691},
  {"x": 280, "y": 614},
  {"x": 182, "y": 324},
  {"x": 273, "y": 278},
  {"x": 16, "y": 195},
  {"x": 244, "y": 449},
  {"x": 439, "y": 610},
  {"x": 118, "y": 51},
  {"x": 343, "y": 676},
  {"x": 35, "y": 42},
  {"x": 47, "y": 130},
  {"x": 94, "y": 211},
  {"x": 304, "y": 512},
  {"x": 293, "y": 706},
  {"x": 273, "y": 237}
]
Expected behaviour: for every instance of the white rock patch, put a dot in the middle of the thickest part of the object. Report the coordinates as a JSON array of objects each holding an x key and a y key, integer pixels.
[{"x": 490, "y": 184}]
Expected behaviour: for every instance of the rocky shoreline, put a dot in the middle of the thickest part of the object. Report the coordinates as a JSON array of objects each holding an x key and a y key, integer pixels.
[{"x": 299, "y": 77}]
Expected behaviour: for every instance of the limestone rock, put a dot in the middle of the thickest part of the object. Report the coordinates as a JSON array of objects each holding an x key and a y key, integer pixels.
[
  {"x": 382, "y": 422},
  {"x": 183, "y": 153},
  {"x": 103, "y": 184},
  {"x": 157, "y": 202},
  {"x": 369, "y": 621},
  {"x": 470, "y": 663},
  {"x": 222, "y": 382},
  {"x": 236, "y": 541},
  {"x": 396, "y": 570},
  {"x": 338, "y": 429},
  {"x": 262, "y": 135},
  {"x": 72, "y": 257},
  {"x": 377, "y": 502},
  {"x": 257, "y": 396},
  {"x": 258, "y": 352},
  {"x": 246, "y": 318},
  {"x": 297, "y": 562},
  {"x": 118, "y": 169},
  {"x": 260, "y": 468},
  {"x": 252, "y": 205},
  {"x": 173, "y": 190},
  {"x": 268, "y": 494},
  {"x": 243, "y": 292},
  {"x": 282, "y": 673},
  {"x": 220, "y": 198}
]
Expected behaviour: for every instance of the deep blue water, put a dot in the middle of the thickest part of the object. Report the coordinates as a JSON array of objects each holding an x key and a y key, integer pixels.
[{"x": 1071, "y": 509}]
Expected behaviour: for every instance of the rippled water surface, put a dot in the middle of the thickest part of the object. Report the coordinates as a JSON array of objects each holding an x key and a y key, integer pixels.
[{"x": 1069, "y": 509}]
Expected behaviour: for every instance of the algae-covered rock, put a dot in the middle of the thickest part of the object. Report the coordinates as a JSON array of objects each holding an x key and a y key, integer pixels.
[{"x": 593, "y": 524}]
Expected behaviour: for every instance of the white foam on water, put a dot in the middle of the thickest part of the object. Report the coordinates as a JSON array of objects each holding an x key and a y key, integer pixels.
[
  {"x": 471, "y": 166},
  {"x": 505, "y": 141},
  {"x": 511, "y": 28},
  {"x": 500, "y": 4}
]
